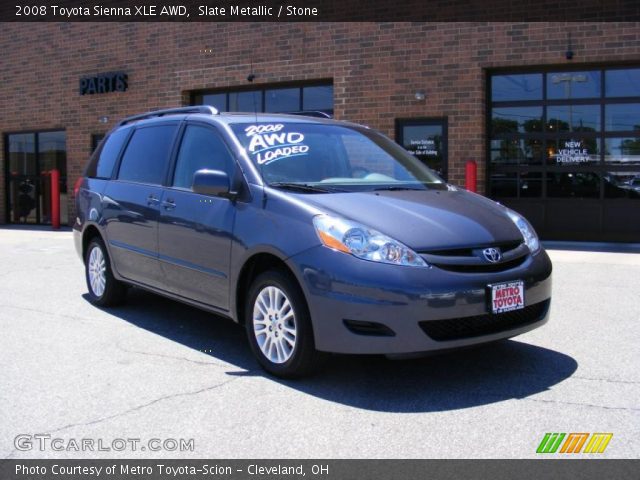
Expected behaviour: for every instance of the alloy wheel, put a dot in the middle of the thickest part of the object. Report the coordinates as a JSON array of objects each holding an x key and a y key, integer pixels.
[
  {"x": 274, "y": 324},
  {"x": 97, "y": 267}
]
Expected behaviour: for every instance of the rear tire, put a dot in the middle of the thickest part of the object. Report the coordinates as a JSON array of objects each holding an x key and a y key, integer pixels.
[
  {"x": 104, "y": 289},
  {"x": 279, "y": 326}
]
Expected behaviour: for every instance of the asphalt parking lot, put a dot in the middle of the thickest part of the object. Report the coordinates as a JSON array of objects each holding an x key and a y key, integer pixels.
[{"x": 158, "y": 369}]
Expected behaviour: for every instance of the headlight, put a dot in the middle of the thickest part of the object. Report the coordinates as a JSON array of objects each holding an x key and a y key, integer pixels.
[
  {"x": 363, "y": 242},
  {"x": 528, "y": 233}
]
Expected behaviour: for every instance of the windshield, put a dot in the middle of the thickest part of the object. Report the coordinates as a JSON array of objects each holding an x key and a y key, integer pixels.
[{"x": 321, "y": 157}]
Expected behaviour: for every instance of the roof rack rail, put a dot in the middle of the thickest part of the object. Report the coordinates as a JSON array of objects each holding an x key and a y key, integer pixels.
[
  {"x": 311, "y": 113},
  {"x": 171, "y": 111}
]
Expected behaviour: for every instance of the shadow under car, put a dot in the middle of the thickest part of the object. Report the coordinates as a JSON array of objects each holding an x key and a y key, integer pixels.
[{"x": 459, "y": 379}]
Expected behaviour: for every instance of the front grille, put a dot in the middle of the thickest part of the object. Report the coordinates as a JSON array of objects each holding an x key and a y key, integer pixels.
[
  {"x": 479, "y": 325},
  {"x": 468, "y": 251},
  {"x": 471, "y": 259},
  {"x": 484, "y": 268}
]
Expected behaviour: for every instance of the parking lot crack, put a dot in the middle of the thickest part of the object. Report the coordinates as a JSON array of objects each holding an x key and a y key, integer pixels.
[
  {"x": 607, "y": 380},
  {"x": 542, "y": 375},
  {"x": 580, "y": 404},
  {"x": 143, "y": 406},
  {"x": 8, "y": 272},
  {"x": 133, "y": 410},
  {"x": 171, "y": 357},
  {"x": 46, "y": 312}
]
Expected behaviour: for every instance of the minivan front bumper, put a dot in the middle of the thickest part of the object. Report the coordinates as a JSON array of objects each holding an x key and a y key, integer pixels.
[{"x": 365, "y": 307}]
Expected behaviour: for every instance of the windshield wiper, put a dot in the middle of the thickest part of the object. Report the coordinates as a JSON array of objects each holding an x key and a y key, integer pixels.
[
  {"x": 303, "y": 187},
  {"x": 397, "y": 188}
]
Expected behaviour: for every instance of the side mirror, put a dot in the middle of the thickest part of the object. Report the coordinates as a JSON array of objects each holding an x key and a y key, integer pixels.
[{"x": 211, "y": 182}]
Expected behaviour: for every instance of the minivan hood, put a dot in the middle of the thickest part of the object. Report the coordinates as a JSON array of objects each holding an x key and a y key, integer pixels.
[{"x": 424, "y": 219}]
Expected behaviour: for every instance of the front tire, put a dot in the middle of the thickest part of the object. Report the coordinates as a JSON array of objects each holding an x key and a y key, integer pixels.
[
  {"x": 279, "y": 326},
  {"x": 104, "y": 289}
]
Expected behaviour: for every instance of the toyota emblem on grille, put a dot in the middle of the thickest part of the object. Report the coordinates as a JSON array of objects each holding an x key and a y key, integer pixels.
[{"x": 492, "y": 255}]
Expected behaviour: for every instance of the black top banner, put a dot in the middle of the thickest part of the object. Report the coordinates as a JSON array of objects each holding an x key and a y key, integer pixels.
[{"x": 320, "y": 11}]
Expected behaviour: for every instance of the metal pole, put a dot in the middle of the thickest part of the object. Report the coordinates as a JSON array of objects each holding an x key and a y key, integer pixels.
[{"x": 55, "y": 199}]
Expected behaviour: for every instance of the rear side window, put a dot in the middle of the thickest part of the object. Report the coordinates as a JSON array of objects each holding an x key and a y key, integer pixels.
[
  {"x": 201, "y": 148},
  {"x": 104, "y": 159},
  {"x": 146, "y": 156}
]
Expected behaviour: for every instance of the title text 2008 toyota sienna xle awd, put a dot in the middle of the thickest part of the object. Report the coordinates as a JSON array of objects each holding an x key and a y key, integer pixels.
[{"x": 317, "y": 235}]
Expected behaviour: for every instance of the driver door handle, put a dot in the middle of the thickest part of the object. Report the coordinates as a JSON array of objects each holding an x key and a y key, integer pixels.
[
  {"x": 169, "y": 204},
  {"x": 152, "y": 200}
]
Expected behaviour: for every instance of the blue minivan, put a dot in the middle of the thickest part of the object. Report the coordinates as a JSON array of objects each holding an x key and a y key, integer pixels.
[{"x": 317, "y": 235}]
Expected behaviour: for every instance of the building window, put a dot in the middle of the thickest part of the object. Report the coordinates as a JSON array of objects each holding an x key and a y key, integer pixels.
[
  {"x": 623, "y": 82},
  {"x": 560, "y": 135},
  {"x": 425, "y": 139},
  {"x": 313, "y": 98},
  {"x": 31, "y": 158},
  {"x": 96, "y": 138},
  {"x": 580, "y": 120},
  {"x": 278, "y": 100},
  {"x": 572, "y": 85},
  {"x": 318, "y": 97},
  {"x": 244, "y": 101},
  {"x": 517, "y": 87}
]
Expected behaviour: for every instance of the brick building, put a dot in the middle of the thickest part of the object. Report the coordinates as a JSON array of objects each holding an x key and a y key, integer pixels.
[{"x": 555, "y": 137}]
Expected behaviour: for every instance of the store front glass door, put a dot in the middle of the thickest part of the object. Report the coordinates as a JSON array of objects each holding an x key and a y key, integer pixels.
[
  {"x": 563, "y": 149},
  {"x": 31, "y": 157},
  {"x": 426, "y": 139}
]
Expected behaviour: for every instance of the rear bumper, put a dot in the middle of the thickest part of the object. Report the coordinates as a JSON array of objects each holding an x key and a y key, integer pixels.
[
  {"x": 77, "y": 240},
  {"x": 405, "y": 300}
]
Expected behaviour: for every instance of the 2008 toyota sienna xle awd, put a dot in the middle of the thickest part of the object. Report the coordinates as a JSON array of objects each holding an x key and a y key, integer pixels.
[{"x": 317, "y": 235}]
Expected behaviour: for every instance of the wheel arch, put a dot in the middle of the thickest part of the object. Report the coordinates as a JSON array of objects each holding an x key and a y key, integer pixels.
[
  {"x": 89, "y": 233},
  {"x": 255, "y": 265}
]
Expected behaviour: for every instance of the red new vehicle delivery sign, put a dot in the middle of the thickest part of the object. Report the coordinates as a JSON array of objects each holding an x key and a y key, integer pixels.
[{"x": 506, "y": 297}]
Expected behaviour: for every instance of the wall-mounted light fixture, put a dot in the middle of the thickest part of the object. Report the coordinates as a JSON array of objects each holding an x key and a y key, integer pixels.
[
  {"x": 103, "y": 119},
  {"x": 569, "y": 53},
  {"x": 420, "y": 95}
]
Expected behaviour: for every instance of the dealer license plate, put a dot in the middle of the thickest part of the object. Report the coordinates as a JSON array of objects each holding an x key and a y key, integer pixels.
[{"x": 506, "y": 297}]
